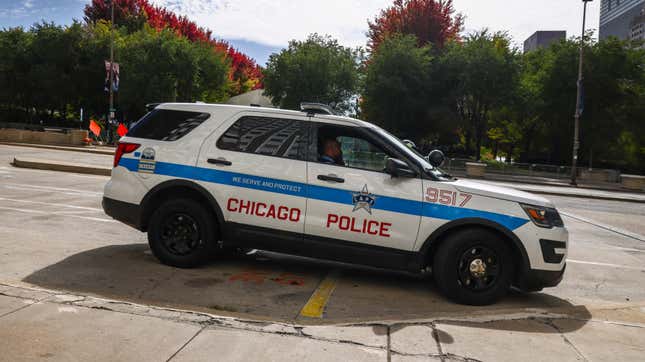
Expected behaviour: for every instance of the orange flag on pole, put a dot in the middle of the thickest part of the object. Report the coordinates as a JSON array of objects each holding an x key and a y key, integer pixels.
[
  {"x": 95, "y": 128},
  {"x": 122, "y": 130}
]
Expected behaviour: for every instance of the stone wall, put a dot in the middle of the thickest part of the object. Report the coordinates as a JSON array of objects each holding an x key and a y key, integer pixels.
[{"x": 72, "y": 137}]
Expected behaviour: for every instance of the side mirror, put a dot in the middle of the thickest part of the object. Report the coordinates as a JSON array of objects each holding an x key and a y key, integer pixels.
[
  {"x": 398, "y": 168},
  {"x": 436, "y": 158}
]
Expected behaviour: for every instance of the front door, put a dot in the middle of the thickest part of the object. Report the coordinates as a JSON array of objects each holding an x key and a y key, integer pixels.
[{"x": 350, "y": 199}]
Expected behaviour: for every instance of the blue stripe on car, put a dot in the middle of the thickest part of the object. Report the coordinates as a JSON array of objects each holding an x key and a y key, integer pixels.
[{"x": 330, "y": 194}]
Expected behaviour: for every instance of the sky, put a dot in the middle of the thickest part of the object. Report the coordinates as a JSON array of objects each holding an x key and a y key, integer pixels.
[{"x": 261, "y": 27}]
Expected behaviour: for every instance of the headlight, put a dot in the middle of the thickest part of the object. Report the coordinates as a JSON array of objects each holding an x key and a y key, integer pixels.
[{"x": 545, "y": 217}]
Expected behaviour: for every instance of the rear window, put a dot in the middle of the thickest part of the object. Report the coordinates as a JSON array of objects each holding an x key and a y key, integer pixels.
[
  {"x": 279, "y": 137},
  {"x": 167, "y": 124}
]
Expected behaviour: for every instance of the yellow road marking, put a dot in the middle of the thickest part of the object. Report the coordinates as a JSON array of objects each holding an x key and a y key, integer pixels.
[{"x": 316, "y": 304}]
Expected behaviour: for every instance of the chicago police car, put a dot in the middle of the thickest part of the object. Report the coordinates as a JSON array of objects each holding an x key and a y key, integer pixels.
[{"x": 199, "y": 178}]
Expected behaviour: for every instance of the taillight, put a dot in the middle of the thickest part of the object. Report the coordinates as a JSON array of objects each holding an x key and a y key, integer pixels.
[{"x": 123, "y": 148}]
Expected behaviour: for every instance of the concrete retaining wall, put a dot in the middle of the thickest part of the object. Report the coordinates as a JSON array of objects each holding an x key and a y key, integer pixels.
[
  {"x": 475, "y": 169},
  {"x": 633, "y": 182},
  {"x": 73, "y": 137},
  {"x": 599, "y": 175}
]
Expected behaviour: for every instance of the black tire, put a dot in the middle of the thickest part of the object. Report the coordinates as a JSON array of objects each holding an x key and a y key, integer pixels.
[
  {"x": 461, "y": 277},
  {"x": 182, "y": 233}
]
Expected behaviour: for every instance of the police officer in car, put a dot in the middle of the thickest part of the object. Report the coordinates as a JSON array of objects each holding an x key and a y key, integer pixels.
[{"x": 331, "y": 152}]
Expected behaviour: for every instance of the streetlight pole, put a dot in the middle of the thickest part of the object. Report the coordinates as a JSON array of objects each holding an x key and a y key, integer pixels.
[
  {"x": 110, "y": 111},
  {"x": 576, "y": 130}
]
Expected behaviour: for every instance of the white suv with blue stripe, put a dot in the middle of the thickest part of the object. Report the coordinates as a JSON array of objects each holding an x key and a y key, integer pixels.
[{"x": 199, "y": 178}]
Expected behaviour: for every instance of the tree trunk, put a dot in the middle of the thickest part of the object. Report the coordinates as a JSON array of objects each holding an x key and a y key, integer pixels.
[
  {"x": 478, "y": 145},
  {"x": 467, "y": 140},
  {"x": 525, "y": 153},
  {"x": 509, "y": 155},
  {"x": 479, "y": 137}
]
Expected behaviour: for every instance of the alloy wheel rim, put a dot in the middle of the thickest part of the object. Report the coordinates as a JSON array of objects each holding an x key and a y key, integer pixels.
[
  {"x": 180, "y": 234},
  {"x": 478, "y": 268}
]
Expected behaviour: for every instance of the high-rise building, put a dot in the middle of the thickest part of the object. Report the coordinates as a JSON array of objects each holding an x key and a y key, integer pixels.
[
  {"x": 542, "y": 39},
  {"x": 616, "y": 17},
  {"x": 638, "y": 27}
]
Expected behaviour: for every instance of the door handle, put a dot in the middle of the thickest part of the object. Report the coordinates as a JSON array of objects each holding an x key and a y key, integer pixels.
[
  {"x": 332, "y": 178},
  {"x": 219, "y": 161}
]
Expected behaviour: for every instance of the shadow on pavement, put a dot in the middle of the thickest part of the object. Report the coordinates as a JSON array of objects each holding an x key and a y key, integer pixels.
[{"x": 270, "y": 286}]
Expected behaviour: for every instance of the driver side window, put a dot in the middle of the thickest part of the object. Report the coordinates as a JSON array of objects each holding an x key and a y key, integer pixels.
[
  {"x": 360, "y": 153},
  {"x": 347, "y": 146}
]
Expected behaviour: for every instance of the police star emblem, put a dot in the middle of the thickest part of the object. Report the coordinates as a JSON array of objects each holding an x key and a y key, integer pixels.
[{"x": 363, "y": 200}]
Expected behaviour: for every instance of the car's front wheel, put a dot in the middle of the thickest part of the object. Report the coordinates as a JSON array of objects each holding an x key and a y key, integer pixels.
[
  {"x": 182, "y": 233},
  {"x": 473, "y": 266}
]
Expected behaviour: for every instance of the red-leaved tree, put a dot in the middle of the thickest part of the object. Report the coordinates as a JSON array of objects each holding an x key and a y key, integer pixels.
[
  {"x": 128, "y": 13},
  {"x": 244, "y": 74},
  {"x": 431, "y": 21}
]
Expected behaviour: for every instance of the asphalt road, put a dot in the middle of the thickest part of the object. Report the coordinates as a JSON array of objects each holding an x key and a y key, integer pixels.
[{"x": 54, "y": 235}]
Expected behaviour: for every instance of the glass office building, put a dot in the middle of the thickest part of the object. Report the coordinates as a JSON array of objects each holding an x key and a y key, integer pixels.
[{"x": 617, "y": 17}]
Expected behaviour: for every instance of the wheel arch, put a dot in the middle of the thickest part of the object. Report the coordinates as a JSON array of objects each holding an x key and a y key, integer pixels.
[
  {"x": 183, "y": 188},
  {"x": 435, "y": 240}
]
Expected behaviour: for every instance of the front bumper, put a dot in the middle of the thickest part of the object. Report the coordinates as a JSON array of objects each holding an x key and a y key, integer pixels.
[
  {"x": 127, "y": 213},
  {"x": 536, "y": 280}
]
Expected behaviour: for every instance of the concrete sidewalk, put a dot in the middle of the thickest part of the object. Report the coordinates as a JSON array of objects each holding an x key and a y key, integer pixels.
[{"x": 39, "y": 323}]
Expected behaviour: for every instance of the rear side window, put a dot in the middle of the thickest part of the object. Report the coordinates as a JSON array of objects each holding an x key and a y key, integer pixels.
[
  {"x": 167, "y": 124},
  {"x": 277, "y": 137}
]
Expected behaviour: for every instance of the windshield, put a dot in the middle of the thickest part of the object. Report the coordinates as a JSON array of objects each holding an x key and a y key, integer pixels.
[{"x": 412, "y": 153}]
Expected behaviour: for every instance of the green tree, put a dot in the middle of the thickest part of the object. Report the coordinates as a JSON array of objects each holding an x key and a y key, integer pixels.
[
  {"x": 554, "y": 72},
  {"x": 49, "y": 72},
  {"x": 54, "y": 55},
  {"x": 505, "y": 131},
  {"x": 479, "y": 76},
  {"x": 89, "y": 80},
  {"x": 16, "y": 94},
  {"x": 159, "y": 66},
  {"x": 397, "y": 87},
  {"x": 315, "y": 70},
  {"x": 614, "y": 103},
  {"x": 613, "y": 116}
]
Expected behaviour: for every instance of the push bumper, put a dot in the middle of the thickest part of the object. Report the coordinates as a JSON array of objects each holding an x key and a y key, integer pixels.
[
  {"x": 127, "y": 213},
  {"x": 536, "y": 280}
]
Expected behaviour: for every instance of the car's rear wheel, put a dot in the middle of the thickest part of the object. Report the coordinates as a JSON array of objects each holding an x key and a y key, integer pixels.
[
  {"x": 473, "y": 266},
  {"x": 182, "y": 233}
]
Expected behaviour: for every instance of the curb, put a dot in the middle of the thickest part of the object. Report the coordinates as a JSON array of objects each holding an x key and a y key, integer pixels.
[
  {"x": 60, "y": 166},
  {"x": 61, "y": 148}
]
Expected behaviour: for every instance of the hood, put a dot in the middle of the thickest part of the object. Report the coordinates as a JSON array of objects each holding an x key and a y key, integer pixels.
[{"x": 499, "y": 192}]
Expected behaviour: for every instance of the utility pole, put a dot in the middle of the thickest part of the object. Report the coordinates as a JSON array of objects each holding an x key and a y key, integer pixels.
[
  {"x": 111, "y": 110},
  {"x": 576, "y": 129}
]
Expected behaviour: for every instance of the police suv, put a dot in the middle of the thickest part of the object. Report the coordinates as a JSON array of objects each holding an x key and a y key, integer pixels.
[{"x": 200, "y": 178}]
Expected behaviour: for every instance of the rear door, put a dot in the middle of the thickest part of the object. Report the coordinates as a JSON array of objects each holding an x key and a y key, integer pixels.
[
  {"x": 255, "y": 168},
  {"x": 356, "y": 203}
]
